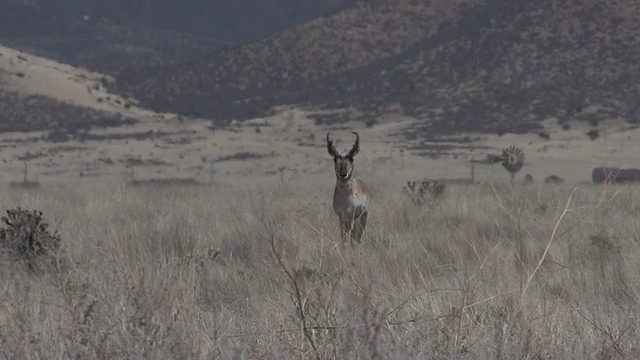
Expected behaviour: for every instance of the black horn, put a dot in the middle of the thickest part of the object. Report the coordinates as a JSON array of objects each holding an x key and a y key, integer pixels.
[
  {"x": 331, "y": 148},
  {"x": 356, "y": 147}
]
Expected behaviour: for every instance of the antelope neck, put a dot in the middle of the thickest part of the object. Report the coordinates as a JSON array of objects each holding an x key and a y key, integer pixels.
[{"x": 345, "y": 185}]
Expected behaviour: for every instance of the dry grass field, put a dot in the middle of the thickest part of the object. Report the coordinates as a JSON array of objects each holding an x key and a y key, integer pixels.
[
  {"x": 231, "y": 249},
  {"x": 256, "y": 272}
]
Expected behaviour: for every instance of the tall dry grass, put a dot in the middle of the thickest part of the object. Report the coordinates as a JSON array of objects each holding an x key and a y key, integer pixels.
[{"x": 486, "y": 272}]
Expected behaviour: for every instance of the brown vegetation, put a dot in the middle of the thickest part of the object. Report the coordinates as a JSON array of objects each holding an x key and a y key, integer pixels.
[
  {"x": 188, "y": 272},
  {"x": 601, "y": 175},
  {"x": 165, "y": 183},
  {"x": 37, "y": 113},
  {"x": 553, "y": 179}
]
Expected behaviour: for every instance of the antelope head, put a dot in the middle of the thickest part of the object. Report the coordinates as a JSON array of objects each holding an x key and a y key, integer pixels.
[{"x": 343, "y": 163}]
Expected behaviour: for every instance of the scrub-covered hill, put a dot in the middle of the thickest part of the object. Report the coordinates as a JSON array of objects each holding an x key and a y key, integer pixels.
[{"x": 480, "y": 65}]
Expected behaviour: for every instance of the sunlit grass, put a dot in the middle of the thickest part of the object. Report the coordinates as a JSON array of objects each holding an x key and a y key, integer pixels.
[{"x": 486, "y": 271}]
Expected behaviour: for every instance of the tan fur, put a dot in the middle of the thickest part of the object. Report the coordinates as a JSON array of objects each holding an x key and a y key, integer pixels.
[{"x": 351, "y": 195}]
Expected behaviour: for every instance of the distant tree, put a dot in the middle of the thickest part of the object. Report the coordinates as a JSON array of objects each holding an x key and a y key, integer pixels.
[{"x": 513, "y": 160}]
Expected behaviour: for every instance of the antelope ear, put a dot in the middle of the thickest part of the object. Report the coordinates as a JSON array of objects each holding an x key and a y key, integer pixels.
[
  {"x": 356, "y": 146},
  {"x": 331, "y": 148}
]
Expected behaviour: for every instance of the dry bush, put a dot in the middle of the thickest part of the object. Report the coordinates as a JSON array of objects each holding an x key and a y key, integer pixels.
[
  {"x": 259, "y": 273},
  {"x": 25, "y": 236},
  {"x": 425, "y": 192}
]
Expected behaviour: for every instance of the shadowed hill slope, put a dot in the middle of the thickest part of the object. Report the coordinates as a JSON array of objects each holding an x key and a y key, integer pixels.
[
  {"x": 40, "y": 113},
  {"x": 465, "y": 66}
]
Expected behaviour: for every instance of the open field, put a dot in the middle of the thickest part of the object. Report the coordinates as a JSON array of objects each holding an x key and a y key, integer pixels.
[
  {"x": 291, "y": 145},
  {"x": 546, "y": 272},
  {"x": 84, "y": 132}
]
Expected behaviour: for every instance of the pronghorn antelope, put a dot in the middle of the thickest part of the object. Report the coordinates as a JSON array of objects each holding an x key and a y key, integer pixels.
[{"x": 351, "y": 196}]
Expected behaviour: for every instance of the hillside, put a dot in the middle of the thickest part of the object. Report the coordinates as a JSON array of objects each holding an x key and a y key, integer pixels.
[
  {"x": 38, "y": 94},
  {"x": 246, "y": 81},
  {"x": 561, "y": 60},
  {"x": 108, "y": 34},
  {"x": 455, "y": 66},
  {"x": 468, "y": 69}
]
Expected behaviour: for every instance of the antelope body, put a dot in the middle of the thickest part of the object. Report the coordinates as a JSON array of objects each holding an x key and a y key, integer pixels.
[{"x": 351, "y": 195}]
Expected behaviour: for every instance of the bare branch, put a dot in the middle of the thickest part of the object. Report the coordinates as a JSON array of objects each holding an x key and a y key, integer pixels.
[{"x": 306, "y": 330}]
